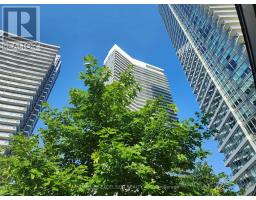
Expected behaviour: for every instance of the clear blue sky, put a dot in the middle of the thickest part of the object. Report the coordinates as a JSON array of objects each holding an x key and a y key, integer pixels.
[{"x": 138, "y": 29}]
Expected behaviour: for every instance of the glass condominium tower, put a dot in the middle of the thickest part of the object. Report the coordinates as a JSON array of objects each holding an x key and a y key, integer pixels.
[
  {"x": 210, "y": 46},
  {"x": 151, "y": 79},
  {"x": 27, "y": 76}
]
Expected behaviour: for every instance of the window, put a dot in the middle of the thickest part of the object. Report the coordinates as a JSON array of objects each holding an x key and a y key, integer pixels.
[
  {"x": 208, "y": 29},
  {"x": 246, "y": 72},
  {"x": 252, "y": 126},
  {"x": 231, "y": 65}
]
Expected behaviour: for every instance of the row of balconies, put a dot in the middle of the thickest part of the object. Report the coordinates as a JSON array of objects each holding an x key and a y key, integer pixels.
[
  {"x": 7, "y": 121},
  {"x": 149, "y": 94},
  {"x": 21, "y": 75},
  {"x": 17, "y": 90},
  {"x": 31, "y": 53},
  {"x": 11, "y": 115},
  {"x": 12, "y": 63},
  {"x": 18, "y": 85},
  {"x": 12, "y": 108},
  {"x": 146, "y": 81},
  {"x": 21, "y": 70},
  {"x": 7, "y": 129},
  {"x": 20, "y": 80},
  {"x": 227, "y": 16},
  {"x": 45, "y": 47},
  {"x": 25, "y": 57},
  {"x": 16, "y": 96},
  {"x": 21, "y": 61},
  {"x": 14, "y": 102}
]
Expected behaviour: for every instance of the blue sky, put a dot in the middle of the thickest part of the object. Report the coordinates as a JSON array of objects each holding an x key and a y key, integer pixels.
[{"x": 138, "y": 29}]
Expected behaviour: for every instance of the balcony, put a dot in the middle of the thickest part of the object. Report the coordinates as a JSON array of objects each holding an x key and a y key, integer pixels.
[{"x": 8, "y": 129}]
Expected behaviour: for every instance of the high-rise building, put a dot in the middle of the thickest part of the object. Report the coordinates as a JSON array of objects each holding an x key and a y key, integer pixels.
[
  {"x": 27, "y": 76},
  {"x": 210, "y": 46},
  {"x": 151, "y": 79},
  {"x": 247, "y": 17}
]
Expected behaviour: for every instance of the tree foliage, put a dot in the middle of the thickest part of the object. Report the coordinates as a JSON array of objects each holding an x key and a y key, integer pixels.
[{"x": 98, "y": 146}]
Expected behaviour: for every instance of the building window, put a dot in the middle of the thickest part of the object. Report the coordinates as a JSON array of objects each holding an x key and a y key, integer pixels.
[{"x": 252, "y": 126}]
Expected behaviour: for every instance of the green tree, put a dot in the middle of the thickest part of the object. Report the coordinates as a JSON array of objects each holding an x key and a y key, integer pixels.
[{"x": 98, "y": 146}]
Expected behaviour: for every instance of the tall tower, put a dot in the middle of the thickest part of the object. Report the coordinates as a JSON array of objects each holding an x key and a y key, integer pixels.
[
  {"x": 151, "y": 79},
  {"x": 210, "y": 46},
  {"x": 27, "y": 76}
]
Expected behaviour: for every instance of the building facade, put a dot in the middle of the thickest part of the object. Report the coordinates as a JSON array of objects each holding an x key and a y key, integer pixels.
[
  {"x": 210, "y": 46},
  {"x": 27, "y": 76},
  {"x": 151, "y": 79}
]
